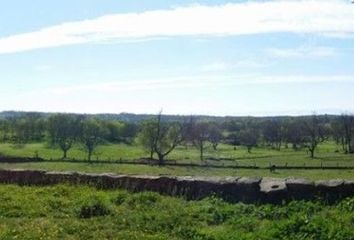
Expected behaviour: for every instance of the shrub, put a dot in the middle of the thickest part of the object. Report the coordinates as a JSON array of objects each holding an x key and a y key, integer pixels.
[
  {"x": 347, "y": 205},
  {"x": 144, "y": 199},
  {"x": 120, "y": 198},
  {"x": 192, "y": 234},
  {"x": 94, "y": 206}
]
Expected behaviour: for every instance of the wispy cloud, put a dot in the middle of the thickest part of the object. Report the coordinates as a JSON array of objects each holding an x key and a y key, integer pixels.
[
  {"x": 327, "y": 17},
  {"x": 194, "y": 82},
  {"x": 216, "y": 66},
  {"x": 302, "y": 52},
  {"x": 43, "y": 67}
]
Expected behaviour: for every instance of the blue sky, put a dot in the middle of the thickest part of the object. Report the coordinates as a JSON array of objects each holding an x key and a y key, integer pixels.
[{"x": 185, "y": 57}]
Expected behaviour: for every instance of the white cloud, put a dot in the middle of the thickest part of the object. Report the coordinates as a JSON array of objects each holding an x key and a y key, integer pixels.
[
  {"x": 302, "y": 52},
  {"x": 327, "y": 17},
  {"x": 210, "y": 94},
  {"x": 240, "y": 64}
]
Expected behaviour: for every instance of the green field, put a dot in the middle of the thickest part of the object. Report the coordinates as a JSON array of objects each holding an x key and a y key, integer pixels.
[
  {"x": 81, "y": 212},
  {"x": 326, "y": 155}
]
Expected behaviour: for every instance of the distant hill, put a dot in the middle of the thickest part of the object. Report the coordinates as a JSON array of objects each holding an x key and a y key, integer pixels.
[
  {"x": 131, "y": 117},
  {"x": 126, "y": 117}
]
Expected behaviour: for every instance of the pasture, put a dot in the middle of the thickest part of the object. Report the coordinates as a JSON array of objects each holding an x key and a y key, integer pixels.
[{"x": 225, "y": 155}]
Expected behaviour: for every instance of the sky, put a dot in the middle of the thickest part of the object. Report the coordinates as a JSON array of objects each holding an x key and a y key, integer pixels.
[{"x": 214, "y": 57}]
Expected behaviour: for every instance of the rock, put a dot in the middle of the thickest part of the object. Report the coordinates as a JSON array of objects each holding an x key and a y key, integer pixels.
[
  {"x": 330, "y": 190},
  {"x": 233, "y": 189},
  {"x": 22, "y": 177},
  {"x": 246, "y": 189},
  {"x": 329, "y": 184},
  {"x": 274, "y": 190},
  {"x": 300, "y": 189},
  {"x": 194, "y": 188},
  {"x": 58, "y": 177},
  {"x": 348, "y": 188}
]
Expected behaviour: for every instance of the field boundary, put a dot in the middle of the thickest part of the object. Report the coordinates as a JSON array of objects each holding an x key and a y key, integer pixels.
[
  {"x": 233, "y": 189},
  {"x": 149, "y": 162}
]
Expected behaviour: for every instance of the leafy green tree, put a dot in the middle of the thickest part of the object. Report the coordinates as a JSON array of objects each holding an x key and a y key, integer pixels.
[
  {"x": 249, "y": 138},
  {"x": 34, "y": 126},
  {"x": 273, "y": 133},
  {"x": 128, "y": 132},
  {"x": 92, "y": 135},
  {"x": 20, "y": 131},
  {"x": 113, "y": 130},
  {"x": 146, "y": 136},
  {"x": 294, "y": 133},
  {"x": 4, "y": 129},
  {"x": 63, "y": 131},
  {"x": 347, "y": 125},
  {"x": 315, "y": 133}
]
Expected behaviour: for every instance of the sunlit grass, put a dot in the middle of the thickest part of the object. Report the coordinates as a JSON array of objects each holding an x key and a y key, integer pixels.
[
  {"x": 81, "y": 212},
  {"x": 261, "y": 156}
]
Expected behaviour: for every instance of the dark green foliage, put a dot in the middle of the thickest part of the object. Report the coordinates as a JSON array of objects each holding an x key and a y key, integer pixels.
[
  {"x": 144, "y": 199},
  {"x": 162, "y": 135},
  {"x": 92, "y": 135},
  {"x": 63, "y": 130},
  {"x": 347, "y": 205},
  {"x": 94, "y": 206},
  {"x": 120, "y": 198},
  {"x": 249, "y": 138}
]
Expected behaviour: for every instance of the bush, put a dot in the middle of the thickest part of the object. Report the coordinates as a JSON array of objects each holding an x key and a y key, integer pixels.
[
  {"x": 94, "y": 206},
  {"x": 347, "y": 205},
  {"x": 144, "y": 199},
  {"x": 120, "y": 198},
  {"x": 192, "y": 234}
]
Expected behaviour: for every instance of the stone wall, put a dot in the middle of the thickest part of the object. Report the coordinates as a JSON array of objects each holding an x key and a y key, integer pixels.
[{"x": 233, "y": 189}]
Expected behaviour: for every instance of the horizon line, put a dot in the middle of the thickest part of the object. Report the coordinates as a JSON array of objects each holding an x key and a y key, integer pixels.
[{"x": 303, "y": 114}]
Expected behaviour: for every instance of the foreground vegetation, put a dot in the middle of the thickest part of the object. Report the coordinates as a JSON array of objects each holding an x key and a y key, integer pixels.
[{"x": 81, "y": 212}]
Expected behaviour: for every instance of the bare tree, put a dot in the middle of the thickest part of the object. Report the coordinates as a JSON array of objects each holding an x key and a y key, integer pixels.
[
  {"x": 214, "y": 135},
  {"x": 200, "y": 135},
  {"x": 338, "y": 134},
  {"x": 347, "y": 122},
  {"x": 161, "y": 137}
]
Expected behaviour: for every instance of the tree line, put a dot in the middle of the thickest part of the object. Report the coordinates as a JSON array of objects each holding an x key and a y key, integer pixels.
[{"x": 160, "y": 137}]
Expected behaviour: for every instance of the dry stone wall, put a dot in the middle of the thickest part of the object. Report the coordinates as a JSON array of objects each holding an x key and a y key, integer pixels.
[{"x": 233, "y": 189}]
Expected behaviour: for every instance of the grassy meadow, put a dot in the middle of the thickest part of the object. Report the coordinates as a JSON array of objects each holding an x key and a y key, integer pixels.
[{"x": 327, "y": 155}]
